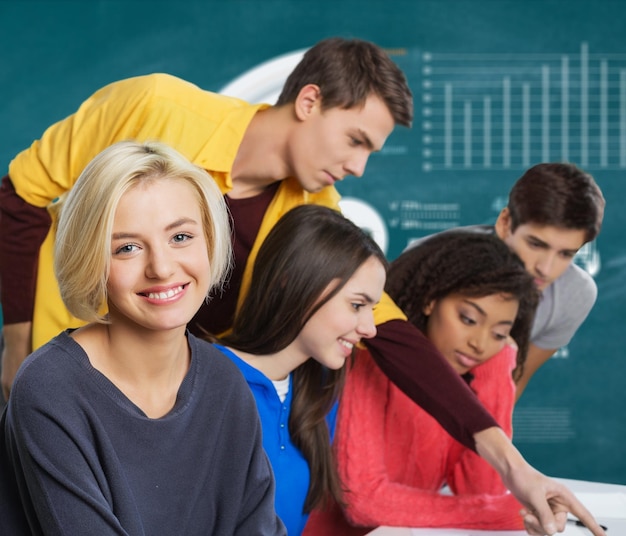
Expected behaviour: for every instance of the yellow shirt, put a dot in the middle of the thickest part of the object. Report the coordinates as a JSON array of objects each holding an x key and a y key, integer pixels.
[{"x": 205, "y": 127}]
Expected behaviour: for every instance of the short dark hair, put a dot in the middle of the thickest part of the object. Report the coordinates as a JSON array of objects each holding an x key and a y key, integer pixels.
[
  {"x": 347, "y": 72},
  {"x": 557, "y": 194},
  {"x": 467, "y": 263}
]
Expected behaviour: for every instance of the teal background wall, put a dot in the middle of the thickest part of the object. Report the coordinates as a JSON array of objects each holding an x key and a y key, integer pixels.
[{"x": 498, "y": 84}]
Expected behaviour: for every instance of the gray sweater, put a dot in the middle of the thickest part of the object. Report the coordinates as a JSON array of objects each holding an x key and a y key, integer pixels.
[{"x": 85, "y": 460}]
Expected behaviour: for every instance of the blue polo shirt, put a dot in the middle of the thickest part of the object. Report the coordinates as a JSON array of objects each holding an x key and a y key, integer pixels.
[{"x": 291, "y": 470}]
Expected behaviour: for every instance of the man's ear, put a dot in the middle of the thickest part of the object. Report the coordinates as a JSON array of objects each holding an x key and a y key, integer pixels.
[
  {"x": 428, "y": 308},
  {"x": 503, "y": 224},
  {"x": 309, "y": 99}
]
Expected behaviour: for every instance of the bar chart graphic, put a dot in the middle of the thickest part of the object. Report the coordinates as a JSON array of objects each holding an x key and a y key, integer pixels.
[{"x": 504, "y": 110}]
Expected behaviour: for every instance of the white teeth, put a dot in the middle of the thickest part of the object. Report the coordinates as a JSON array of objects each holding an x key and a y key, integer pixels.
[
  {"x": 347, "y": 344},
  {"x": 164, "y": 295}
]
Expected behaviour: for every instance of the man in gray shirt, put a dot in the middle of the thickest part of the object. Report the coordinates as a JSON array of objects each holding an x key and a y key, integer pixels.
[{"x": 553, "y": 210}]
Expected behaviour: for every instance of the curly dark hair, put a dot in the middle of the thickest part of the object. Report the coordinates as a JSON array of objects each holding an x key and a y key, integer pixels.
[{"x": 468, "y": 263}]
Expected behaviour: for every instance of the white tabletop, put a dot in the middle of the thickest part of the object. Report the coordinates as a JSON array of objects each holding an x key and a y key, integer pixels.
[{"x": 607, "y": 502}]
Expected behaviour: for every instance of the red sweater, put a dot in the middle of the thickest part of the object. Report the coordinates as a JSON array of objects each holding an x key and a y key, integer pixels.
[{"x": 393, "y": 458}]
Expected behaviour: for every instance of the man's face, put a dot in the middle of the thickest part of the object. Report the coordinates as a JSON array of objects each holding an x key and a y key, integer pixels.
[
  {"x": 328, "y": 145},
  {"x": 546, "y": 250}
]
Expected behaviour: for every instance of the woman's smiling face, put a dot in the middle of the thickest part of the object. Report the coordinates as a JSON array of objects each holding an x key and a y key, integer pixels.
[
  {"x": 160, "y": 270},
  {"x": 331, "y": 333}
]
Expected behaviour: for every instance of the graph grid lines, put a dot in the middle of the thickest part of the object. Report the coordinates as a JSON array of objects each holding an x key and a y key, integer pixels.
[{"x": 502, "y": 111}]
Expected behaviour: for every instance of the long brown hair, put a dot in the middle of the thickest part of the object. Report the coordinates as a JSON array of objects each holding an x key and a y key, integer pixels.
[
  {"x": 467, "y": 263},
  {"x": 309, "y": 248}
]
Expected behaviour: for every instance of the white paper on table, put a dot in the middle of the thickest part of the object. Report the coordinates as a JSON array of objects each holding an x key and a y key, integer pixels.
[
  {"x": 466, "y": 532},
  {"x": 611, "y": 505},
  {"x": 570, "y": 530}
]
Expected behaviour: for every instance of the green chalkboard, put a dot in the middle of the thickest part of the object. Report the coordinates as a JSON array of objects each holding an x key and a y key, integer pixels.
[{"x": 499, "y": 85}]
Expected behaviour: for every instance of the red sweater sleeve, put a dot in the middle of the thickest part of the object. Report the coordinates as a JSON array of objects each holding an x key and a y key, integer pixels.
[
  {"x": 413, "y": 364},
  {"x": 494, "y": 386},
  {"x": 23, "y": 228}
]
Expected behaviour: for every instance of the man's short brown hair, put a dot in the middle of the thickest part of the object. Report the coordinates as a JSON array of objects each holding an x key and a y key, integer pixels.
[
  {"x": 348, "y": 71},
  {"x": 560, "y": 195}
]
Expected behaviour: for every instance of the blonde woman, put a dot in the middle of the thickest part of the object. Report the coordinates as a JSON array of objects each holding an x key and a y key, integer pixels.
[{"x": 130, "y": 425}]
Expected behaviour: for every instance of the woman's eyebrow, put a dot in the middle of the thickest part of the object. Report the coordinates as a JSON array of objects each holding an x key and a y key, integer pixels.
[
  {"x": 174, "y": 225},
  {"x": 483, "y": 313}
]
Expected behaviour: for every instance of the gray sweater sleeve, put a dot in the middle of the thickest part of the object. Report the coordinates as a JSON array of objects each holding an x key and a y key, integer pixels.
[{"x": 564, "y": 306}]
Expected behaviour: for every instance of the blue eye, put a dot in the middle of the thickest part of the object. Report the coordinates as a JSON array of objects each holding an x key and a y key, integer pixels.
[
  {"x": 126, "y": 248},
  {"x": 181, "y": 237}
]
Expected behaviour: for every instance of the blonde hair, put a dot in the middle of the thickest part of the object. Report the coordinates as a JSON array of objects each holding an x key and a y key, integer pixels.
[{"x": 82, "y": 256}]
